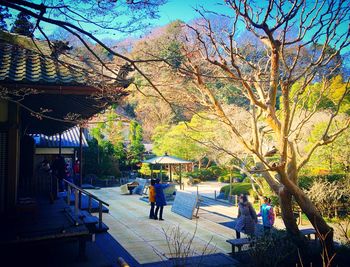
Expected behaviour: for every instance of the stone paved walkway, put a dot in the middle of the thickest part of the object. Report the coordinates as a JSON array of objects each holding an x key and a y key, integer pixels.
[{"x": 145, "y": 239}]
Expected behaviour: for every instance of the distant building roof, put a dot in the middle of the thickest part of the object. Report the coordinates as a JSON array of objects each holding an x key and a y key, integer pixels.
[
  {"x": 69, "y": 138},
  {"x": 167, "y": 160},
  {"x": 148, "y": 147}
]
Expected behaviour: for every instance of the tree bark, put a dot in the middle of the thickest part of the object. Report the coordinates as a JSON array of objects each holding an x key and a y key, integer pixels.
[
  {"x": 285, "y": 201},
  {"x": 325, "y": 231},
  {"x": 287, "y": 211}
]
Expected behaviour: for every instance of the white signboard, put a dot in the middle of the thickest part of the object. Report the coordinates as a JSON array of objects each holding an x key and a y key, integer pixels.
[
  {"x": 139, "y": 189},
  {"x": 184, "y": 204}
]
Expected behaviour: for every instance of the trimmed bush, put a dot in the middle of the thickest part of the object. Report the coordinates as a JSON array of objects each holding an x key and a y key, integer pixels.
[
  {"x": 225, "y": 178},
  {"x": 201, "y": 174},
  {"x": 237, "y": 189},
  {"x": 213, "y": 173}
]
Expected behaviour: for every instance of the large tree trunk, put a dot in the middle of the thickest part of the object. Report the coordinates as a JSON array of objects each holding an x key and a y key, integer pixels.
[
  {"x": 285, "y": 201},
  {"x": 287, "y": 211},
  {"x": 306, "y": 205}
]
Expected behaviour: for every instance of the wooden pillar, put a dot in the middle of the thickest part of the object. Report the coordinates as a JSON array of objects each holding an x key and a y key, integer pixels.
[
  {"x": 230, "y": 194},
  {"x": 161, "y": 174},
  {"x": 60, "y": 144},
  {"x": 180, "y": 177},
  {"x": 81, "y": 161},
  {"x": 11, "y": 183},
  {"x": 171, "y": 175},
  {"x": 81, "y": 156}
]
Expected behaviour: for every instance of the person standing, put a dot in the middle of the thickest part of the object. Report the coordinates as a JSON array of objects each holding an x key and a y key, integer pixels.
[
  {"x": 267, "y": 214},
  {"x": 76, "y": 171},
  {"x": 160, "y": 199},
  {"x": 246, "y": 219},
  {"x": 152, "y": 198},
  {"x": 59, "y": 171}
]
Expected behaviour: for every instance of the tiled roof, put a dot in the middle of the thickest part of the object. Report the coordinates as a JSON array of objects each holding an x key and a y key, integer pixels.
[
  {"x": 25, "y": 60},
  {"x": 66, "y": 85},
  {"x": 69, "y": 138},
  {"x": 22, "y": 65}
]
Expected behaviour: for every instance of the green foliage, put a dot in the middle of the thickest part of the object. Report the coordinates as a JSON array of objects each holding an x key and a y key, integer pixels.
[
  {"x": 174, "y": 141},
  {"x": 145, "y": 169},
  {"x": 201, "y": 174},
  {"x": 324, "y": 95},
  {"x": 332, "y": 158},
  {"x": 273, "y": 250},
  {"x": 136, "y": 147},
  {"x": 183, "y": 140},
  {"x": 229, "y": 94},
  {"x": 227, "y": 174},
  {"x": 22, "y": 25},
  {"x": 172, "y": 54},
  {"x": 99, "y": 159},
  {"x": 237, "y": 189},
  {"x": 213, "y": 173},
  {"x": 4, "y": 14},
  {"x": 110, "y": 138},
  {"x": 305, "y": 181}
]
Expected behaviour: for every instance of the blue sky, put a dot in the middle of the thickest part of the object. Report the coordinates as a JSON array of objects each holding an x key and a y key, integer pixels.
[
  {"x": 172, "y": 10},
  {"x": 183, "y": 10}
]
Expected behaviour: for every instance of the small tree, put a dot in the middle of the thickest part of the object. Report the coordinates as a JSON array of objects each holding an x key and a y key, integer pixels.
[
  {"x": 22, "y": 25},
  {"x": 4, "y": 14},
  {"x": 135, "y": 147},
  {"x": 145, "y": 169}
]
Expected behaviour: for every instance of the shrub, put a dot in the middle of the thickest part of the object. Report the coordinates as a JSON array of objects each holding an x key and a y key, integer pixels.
[
  {"x": 225, "y": 178},
  {"x": 246, "y": 180},
  {"x": 273, "y": 250},
  {"x": 221, "y": 179},
  {"x": 196, "y": 181},
  {"x": 305, "y": 181},
  {"x": 213, "y": 173},
  {"x": 237, "y": 189},
  {"x": 329, "y": 196},
  {"x": 202, "y": 174}
]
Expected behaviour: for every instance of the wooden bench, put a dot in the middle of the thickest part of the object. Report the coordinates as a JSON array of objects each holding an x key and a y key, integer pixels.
[
  {"x": 239, "y": 242},
  {"x": 308, "y": 232}
]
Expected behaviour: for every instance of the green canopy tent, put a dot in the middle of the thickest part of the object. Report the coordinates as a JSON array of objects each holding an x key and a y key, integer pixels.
[{"x": 168, "y": 160}]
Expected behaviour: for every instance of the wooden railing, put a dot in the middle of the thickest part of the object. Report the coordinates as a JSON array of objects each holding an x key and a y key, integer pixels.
[{"x": 78, "y": 191}]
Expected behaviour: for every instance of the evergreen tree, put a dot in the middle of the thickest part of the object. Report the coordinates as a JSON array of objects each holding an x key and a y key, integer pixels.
[
  {"x": 4, "y": 14},
  {"x": 23, "y": 25},
  {"x": 136, "y": 147}
]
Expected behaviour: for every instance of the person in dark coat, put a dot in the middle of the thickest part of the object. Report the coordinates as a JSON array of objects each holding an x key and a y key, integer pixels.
[
  {"x": 59, "y": 171},
  {"x": 246, "y": 219},
  {"x": 160, "y": 199}
]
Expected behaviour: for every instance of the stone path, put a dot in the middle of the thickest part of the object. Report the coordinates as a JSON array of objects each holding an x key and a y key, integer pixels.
[{"x": 145, "y": 239}]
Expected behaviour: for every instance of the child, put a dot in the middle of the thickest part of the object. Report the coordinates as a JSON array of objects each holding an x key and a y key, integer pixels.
[
  {"x": 267, "y": 214},
  {"x": 160, "y": 199},
  {"x": 152, "y": 198}
]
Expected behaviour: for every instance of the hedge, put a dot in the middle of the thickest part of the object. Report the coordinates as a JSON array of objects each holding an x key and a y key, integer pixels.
[{"x": 237, "y": 189}]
